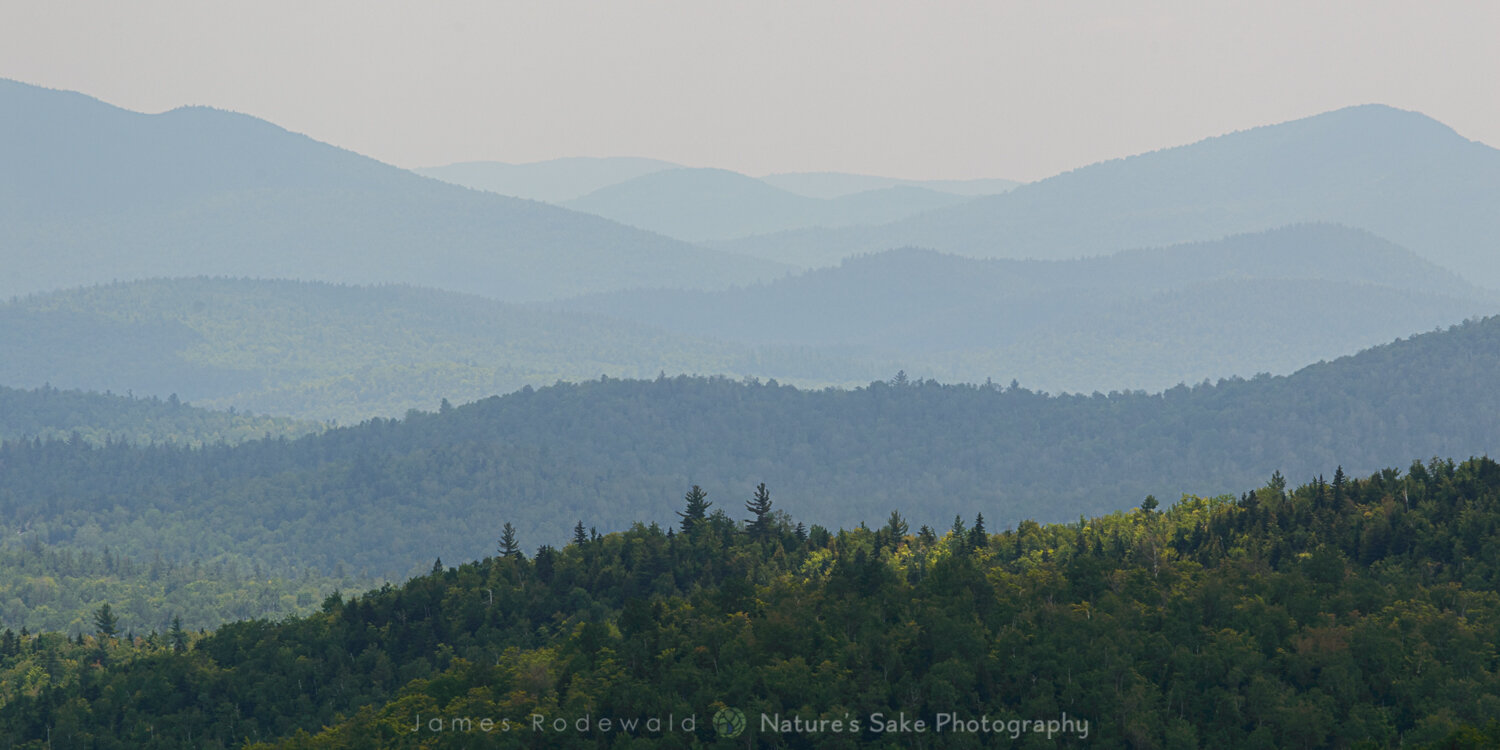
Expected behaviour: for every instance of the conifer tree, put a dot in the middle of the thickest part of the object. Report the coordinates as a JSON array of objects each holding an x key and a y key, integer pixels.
[
  {"x": 177, "y": 636},
  {"x": 580, "y": 537},
  {"x": 697, "y": 508},
  {"x": 759, "y": 527},
  {"x": 977, "y": 536},
  {"x": 105, "y": 622},
  {"x": 509, "y": 547},
  {"x": 896, "y": 525}
]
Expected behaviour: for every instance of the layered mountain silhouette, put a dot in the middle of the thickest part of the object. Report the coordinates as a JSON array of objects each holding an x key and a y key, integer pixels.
[
  {"x": 716, "y": 204},
  {"x": 838, "y": 184},
  {"x": 1398, "y": 174},
  {"x": 553, "y": 181},
  {"x": 1146, "y": 318},
  {"x": 92, "y": 193}
]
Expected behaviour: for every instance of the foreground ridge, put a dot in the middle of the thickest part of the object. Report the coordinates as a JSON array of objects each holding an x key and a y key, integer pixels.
[{"x": 1352, "y": 612}]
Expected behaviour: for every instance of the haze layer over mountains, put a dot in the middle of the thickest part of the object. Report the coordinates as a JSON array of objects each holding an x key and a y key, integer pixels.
[{"x": 1259, "y": 251}]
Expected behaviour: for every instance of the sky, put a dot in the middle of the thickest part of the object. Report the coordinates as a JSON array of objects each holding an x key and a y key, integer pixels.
[{"x": 954, "y": 90}]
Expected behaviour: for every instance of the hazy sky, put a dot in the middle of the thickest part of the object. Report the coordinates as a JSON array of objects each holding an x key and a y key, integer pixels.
[{"x": 909, "y": 89}]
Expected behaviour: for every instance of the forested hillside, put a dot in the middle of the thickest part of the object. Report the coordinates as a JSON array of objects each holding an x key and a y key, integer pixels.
[
  {"x": 324, "y": 351},
  {"x": 96, "y": 418},
  {"x": 385, "y": 497},
  {"x": 1399, "y": 174},
  {"x": 90, "y": 193},
  {"x": 1344, "y": 613}
]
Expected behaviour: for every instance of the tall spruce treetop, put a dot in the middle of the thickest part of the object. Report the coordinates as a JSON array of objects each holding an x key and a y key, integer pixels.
[
  {"x": 896, "y": 525},
  {"x": 697, "y": 508},
  {"x": 759, "y": 527},
  {"x": 509, "y": 547},
  {"x": 580, "y": 537},
  {"x": 105, "y": 621},
  {"x": 978, "y": 537}
]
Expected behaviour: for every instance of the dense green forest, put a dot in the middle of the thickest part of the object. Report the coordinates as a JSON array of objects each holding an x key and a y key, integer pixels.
[
  {"x": 98, "y": 418},
  {"x": 58, "y": 589},
  {"x": 1343, "y": 613},
  {"x": 384, "y": 497}
]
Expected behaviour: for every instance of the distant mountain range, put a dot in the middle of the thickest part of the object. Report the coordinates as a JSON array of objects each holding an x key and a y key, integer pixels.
[
  {"x": 839, "y": 184},
  {"x": 553, "y": 181},
  {"x": 1144, "y": 319},
  {"x": 1271, "y": 301},
  {"x": 1398, "y": 174},
  {"x": 562, "y": 180},
  {"x": 92, "y": 193},
  {"x": 715, "y": 204},
  {"x": 700, "y": 205}
]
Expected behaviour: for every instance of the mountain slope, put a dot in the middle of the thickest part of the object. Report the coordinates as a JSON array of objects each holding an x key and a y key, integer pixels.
[
  {"x": 699, "y": 205},
  {"x": 321, "y": 351},
  {"x": 553, "y": 181},
  {"x": 1149, "y": 318},
  {"x": 90, "y": 193},
  {"x": 838, "y": 184},
  {"x": 384, "y": 497},
  {"x": 1398, "y": 174},
  {"x": 49, "y": 413}
]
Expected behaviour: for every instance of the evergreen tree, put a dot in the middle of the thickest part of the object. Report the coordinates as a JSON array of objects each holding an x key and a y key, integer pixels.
[
  {"x": 580, "y": 537},
  {"x": 759, "y": 527},
  {"x": 896, "y": 525},
  {"x": 177, "y": 636},
  {"x": 977, "y": 536},
  {"x": 697, "y": 508},
  {"x": 508, "y": 546},
  {"x": 960, "y": 530},
  {"x": 105, "y": 622},
  {"x": 800, "y": 532},
  {"x": 1149, "y": 504},
  {"x": 926, "y": 535}
]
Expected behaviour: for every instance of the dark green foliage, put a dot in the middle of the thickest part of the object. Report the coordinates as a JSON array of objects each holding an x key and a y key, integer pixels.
[
  {"x": 508, "y": 546},
  {"x": 1214, "y": 622},
  {"x": 761, "y": 525},
  {"x": 695, "y": 512},
  {"x": 105, "y": 622}
]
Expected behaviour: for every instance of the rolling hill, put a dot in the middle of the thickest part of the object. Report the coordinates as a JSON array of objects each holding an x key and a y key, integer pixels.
[
  {"x": 322, "y": 351},
  {"x": 97, "y": 418},
  {"x": 91, "y": 193},
  {"x": 1399, "y": 174},
  {"x": 1148, "y": 318},
  {"x": 700, "y": 205},
  {"x": 385, "y": 497}
]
